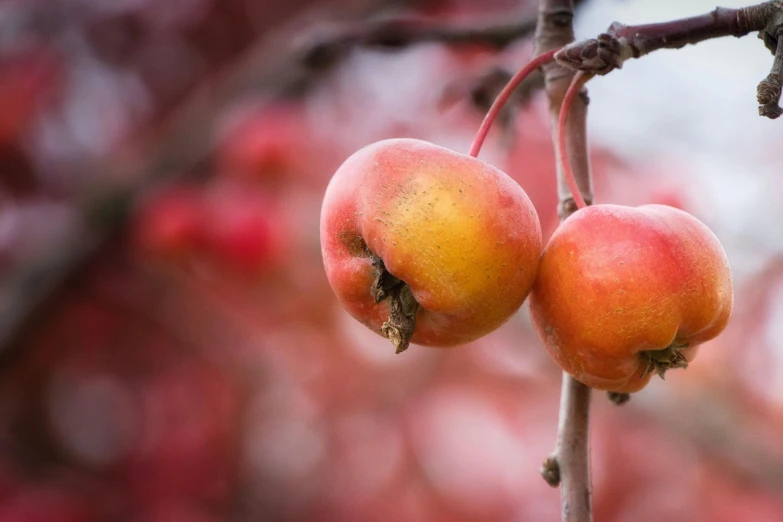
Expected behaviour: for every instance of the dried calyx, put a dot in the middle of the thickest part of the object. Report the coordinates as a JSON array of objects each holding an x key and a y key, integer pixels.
[
  {"x": 400, "y": 325},
  {"x": 659, "y": 361}
]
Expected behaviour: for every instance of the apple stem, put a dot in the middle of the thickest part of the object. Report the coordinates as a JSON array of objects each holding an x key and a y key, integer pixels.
[
  {"x": 504, "y": 96},
  {"x": 579, "y": 80}
]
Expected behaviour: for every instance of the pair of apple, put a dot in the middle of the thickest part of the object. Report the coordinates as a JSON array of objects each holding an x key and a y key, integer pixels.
[{"x": 426, "y": 245}]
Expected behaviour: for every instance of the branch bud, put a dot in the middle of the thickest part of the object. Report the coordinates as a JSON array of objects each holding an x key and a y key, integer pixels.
[{"x": 597, "y": 56}]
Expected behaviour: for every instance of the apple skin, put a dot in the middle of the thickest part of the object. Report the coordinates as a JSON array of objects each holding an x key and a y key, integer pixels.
[
  {"x": 616, "y": 281},
  {"x": 462, "y": 234}
]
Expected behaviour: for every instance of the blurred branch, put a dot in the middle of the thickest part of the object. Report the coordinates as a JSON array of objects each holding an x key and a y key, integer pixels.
[
  {"x": 569, "y": 465},
  {"x": 330, "y": 44},
  {"x": 621, "y": 42}
]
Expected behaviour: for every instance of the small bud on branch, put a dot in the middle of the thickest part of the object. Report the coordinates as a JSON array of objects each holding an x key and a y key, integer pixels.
[{"x": 768, "y": 91}]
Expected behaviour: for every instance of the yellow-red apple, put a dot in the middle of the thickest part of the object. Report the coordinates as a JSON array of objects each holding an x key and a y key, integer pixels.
[
  {"x": 624, "y": 293},
  {"x": 456, "y": 232}
]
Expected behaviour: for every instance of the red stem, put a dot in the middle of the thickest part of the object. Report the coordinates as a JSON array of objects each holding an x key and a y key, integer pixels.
[
  {"x": 503, "y": 97},
  {"x": 580, "y": 78}
]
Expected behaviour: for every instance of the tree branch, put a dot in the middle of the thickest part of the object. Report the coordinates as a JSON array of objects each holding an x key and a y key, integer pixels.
[
  {"x": 569, "y": 465},
  {"x": 621, "y": 42},
  {"x": 331, "y": 44}
]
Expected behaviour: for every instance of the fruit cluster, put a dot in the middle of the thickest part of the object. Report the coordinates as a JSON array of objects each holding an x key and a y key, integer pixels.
[{"x": 426, "y": 245}]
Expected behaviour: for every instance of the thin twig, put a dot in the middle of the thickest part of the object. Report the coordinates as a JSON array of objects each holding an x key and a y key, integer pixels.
[
  {"x": 620, "y": 42},
  {"x": 326, "y": 46},
  {"x": 569, "y": 465}
]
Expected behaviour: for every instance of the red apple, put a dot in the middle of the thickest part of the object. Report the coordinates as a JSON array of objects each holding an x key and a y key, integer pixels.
[
  {"x": 623, "y": 293},
  {"x": 262, "y": 143},
  {"x": 242, "y": 229},
  {"x": 461, "y": 234},
  {"x": 168, "y": 226}
]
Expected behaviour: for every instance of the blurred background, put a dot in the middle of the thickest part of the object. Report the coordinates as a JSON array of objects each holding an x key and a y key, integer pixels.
[{"x": 170, "y": 350}]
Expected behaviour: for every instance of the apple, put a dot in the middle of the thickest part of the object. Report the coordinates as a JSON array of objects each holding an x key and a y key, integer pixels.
[
  {"x": 417, "y": 237},
  {"x": 262, "y": 142},
  {"x": 168, "y": 226},
  {"x": 624, "y": 293},
  {"x": 242, "y": 230}
]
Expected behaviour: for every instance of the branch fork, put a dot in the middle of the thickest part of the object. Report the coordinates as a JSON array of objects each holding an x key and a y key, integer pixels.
[{"x": 599, "y": 55}]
